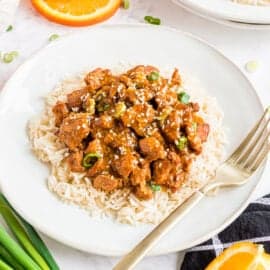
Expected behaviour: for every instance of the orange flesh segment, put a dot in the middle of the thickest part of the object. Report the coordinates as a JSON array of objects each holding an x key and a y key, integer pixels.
[
  {"x": 75, "y": 7},
  {"x": 240, "y": 261}
]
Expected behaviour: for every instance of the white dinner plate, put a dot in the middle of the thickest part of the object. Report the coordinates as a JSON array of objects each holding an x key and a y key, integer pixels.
[
  {"x": 23, "y": 177},
  {"x": 230, "y": 11},
  {"x": 234, "y": 24}
]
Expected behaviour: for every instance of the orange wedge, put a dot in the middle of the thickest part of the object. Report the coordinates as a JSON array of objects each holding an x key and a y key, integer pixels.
[
  {"x": 77, "y": 12},
  {"x": 241, "y": 256}
]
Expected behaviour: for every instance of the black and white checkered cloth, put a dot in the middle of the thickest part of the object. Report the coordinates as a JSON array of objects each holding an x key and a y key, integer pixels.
[{"x": 253, "y": 225}]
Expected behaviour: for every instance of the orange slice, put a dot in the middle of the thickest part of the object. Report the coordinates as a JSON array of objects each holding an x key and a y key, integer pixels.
[
  {"x": 77, "y": 12},
  {"x": 241, "y": 256}
]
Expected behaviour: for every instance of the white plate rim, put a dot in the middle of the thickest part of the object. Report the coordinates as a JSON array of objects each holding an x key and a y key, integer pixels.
[
  {"x": 230, "y": 11},
  {"x": 51, "y": 233},
  {"x": 229, "y": 23}
]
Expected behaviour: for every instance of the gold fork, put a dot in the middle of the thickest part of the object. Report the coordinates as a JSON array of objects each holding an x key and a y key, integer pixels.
[{"x": 244, "y": 161}]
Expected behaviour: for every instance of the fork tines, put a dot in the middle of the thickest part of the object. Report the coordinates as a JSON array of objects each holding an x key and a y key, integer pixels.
[{"x": 255, "y": 147}]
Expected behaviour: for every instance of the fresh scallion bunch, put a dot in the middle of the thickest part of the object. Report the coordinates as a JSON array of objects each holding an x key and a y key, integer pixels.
[{"x": 31, "y": 253}]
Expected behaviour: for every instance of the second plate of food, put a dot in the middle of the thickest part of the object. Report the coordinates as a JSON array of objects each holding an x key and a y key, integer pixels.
[{"x": 103, "y": 133}]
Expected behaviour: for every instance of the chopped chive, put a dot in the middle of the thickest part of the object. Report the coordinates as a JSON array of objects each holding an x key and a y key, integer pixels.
[
  {"x": 125, "y": 4},
  {"x": 153, "y": 76},
  {"x": 183, "y": 97},
  {"x": 182, "y": 143},
  {"x": 90, "y": 159},
  {"x": 152, "y": 20},
  {"x": 53, "y": 37},
  {"x": 155, "y": 187},
  {"x": 9, "y": 28}
]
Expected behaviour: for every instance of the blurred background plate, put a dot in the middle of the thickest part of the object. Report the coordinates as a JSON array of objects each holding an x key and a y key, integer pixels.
[
  {"x": 229, "y": 11},
  {"x": 234, "y": 24}
]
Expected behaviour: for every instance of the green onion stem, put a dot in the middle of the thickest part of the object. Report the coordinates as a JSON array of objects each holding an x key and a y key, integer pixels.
[
  {"x": 4, "y": 266},
  {"x": 90, "y": 159},
  {"x": 16, "y": 251},
  {"x": 21, "y": 235},
  {"x": 35, "y": 238},
  {"x": 5, "y": 255}
]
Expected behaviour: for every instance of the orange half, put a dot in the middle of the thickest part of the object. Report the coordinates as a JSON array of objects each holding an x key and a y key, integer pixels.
[
  {"x": 77, "y": 13},
  {"x": 241, "y": 256}
]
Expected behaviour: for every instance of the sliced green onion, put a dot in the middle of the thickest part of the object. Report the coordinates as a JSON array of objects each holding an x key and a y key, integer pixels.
[
  {"x": 53, "y": 37},
  {"x": 35, "y": 238},
  {"x": 90, "y": 159},
  {"x": 164, "y": 114},
  {"x": 4, "y": 266},
  {"x": 20, "y": 234},
  {"x": 5, "y": 255},
  {"x": 252, "y": 66},
  {"x": 153, "y": 76},
  {"x": 152, "y": 20},
  {"x": 9, "y": 28},
  {"x": 120, "y": 108},
  {"x": 9, "y": 57},
  {"x": 102, "y": 107},
  {"x": 183, "y": 97},
  {"x": 16, "y": 251},
  {"x": 182, "y": 143},
  {"x": 194, "y": 126},
  {"x": 125, "y": 4},
  {"x": 155, "y": 187}
]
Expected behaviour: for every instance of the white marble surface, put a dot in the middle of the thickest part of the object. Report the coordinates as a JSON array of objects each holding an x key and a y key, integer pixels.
[{"x": 31, "y": 33}]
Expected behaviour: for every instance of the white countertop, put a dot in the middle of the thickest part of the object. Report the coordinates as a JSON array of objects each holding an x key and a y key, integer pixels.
[{"x": 31, "y": 33}]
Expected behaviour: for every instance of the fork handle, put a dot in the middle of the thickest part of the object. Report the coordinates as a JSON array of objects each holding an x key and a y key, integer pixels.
[{"x": 130, "y": 260}]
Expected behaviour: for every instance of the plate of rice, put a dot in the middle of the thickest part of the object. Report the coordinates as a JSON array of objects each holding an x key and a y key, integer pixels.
[
  {"x": 103, "y": 133},
  {"x": 243, "y": 11}
]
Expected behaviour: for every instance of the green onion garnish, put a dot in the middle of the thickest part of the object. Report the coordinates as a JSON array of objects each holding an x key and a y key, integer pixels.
[
  {"x": 120, "y": 108},
  {"x": 9, "y": 57},
  {"x": 155, "y": 187},
  {"x": 194, "y": 126},
  {"x": 53, "y": 37},
  {"x": 183, "y": 97},
  {"x": 153, "y": 76},
  {"x": 152, "y": 20},
  {"x": 102, "y": 107},
  {"x": 90, "y": 159},
  {"x": 125, "y": 4},
  {"x": 182, "y": 143},
  {"x": 9, "y": 28}
]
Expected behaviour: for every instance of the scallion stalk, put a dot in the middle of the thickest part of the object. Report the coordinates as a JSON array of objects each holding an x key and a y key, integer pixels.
[
  {"x": 16, "y": 251},
  {"x": 21, "y": 235},
  {"x": 34, "y": 237},
  {"x": 5, "y": 255},
  {"x": 4, "y": 266}
]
